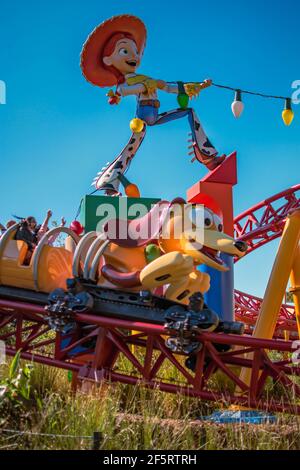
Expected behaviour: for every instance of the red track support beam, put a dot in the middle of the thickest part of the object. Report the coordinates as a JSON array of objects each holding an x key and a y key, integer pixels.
[
  {"x": 151, "y": 343},
  {"x": 218, "y": 184}
]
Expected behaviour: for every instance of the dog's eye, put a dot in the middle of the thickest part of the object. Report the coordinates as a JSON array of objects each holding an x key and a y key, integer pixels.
[
  {"x": 123, "y": 51},
  {"x": 196, "y": 216},
  {"x": 218, "y": 223},
  {"x": 208, "y": 219}
]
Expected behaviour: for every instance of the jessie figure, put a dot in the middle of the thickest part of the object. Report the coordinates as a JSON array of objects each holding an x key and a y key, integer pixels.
[{"x": 110, "y": 57}]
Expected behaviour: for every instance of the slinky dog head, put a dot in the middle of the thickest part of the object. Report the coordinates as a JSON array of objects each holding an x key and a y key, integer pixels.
[
  {"x": 197, "y": 231},
  {"x": 192, "y": 229}
]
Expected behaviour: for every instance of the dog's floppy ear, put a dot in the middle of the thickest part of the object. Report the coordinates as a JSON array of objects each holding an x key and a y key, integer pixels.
[
  {"x": 176, "y": 207},
  {"x": 138, "y": 232},
  {"x": 178, "y": 200}
]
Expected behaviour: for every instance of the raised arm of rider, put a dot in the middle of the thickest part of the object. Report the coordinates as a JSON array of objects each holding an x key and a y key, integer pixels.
[{"x": 44, "y": 227}]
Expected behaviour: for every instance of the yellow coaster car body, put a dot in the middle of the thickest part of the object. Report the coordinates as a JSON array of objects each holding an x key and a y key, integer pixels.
[{"x": 49, "y": 266}]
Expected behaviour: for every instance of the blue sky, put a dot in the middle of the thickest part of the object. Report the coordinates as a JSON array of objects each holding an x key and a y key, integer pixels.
[{"x": 57, "y": 131}]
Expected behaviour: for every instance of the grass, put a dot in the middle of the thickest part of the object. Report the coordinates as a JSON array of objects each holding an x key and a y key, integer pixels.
[{"x": 129, "y": 417}]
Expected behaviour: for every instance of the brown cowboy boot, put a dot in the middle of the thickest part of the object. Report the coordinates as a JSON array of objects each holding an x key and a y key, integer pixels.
[
  {"x": 211, "y": 162},
  {"x": 108, "y": 177}
]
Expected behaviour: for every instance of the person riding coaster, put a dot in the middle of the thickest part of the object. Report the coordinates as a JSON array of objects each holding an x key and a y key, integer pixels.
[
  {"x": 165, "y": 254},
  {"x": 110, "y": 56}
]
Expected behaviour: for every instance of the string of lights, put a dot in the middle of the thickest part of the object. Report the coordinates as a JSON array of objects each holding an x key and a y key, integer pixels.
[
  {"x": 264, "y": 95},
  {"x": 237, "y": 105}
]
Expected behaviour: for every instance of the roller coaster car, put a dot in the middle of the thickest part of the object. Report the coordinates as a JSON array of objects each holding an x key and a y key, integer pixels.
[
  {"x": 119, "y": 263},
  {"x": 49, "y": 266}
]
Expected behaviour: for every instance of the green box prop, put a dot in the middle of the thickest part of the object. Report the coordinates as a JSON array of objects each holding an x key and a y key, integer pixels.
[{"x": 97, "y": 210}]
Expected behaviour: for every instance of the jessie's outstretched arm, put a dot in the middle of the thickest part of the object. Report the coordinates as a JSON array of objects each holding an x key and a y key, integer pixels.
[
  {"x": 126, "y": 90},
  {"x": 192, "y": 89}
]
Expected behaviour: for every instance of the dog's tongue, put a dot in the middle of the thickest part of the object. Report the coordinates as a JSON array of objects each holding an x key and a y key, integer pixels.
[
  {"x": 213, "y": 254},
  {"x": 211, "y": 251}
]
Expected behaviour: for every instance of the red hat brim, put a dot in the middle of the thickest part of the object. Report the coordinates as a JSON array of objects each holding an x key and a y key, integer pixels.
[{"x": 91, "y": 55}]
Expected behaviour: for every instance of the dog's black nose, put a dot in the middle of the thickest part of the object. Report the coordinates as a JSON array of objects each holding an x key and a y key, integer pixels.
[{"x": 242, "y": 246}]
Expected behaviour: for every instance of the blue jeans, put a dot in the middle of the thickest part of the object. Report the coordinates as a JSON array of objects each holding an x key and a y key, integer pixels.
[
  {"x": 150, "y": 115},
  {"x": 201, "y": 145}
]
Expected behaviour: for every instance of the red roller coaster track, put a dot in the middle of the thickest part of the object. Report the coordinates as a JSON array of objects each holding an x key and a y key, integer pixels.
[
  {"x": 264, "y": 222},
  {"x": 257, "y": 226},
  {"x": 114, "y": 337},
  {"x": 247, "y": 308},
  {"x": 24, "y": 326}
]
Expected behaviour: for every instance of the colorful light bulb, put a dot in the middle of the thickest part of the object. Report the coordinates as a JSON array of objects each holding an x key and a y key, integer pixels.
[
  {"x": 237, "y": 106},
  {"x": 76, "y": 226},
  {"x": 182, "y": 97},
  {"x": 183, "y": 100},
  {"x": 287, "y": 113},
  {"x": 136, "y": 125}
]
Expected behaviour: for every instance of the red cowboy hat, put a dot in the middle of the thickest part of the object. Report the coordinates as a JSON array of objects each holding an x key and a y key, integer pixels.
[{"x": 91, "y": 55}]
